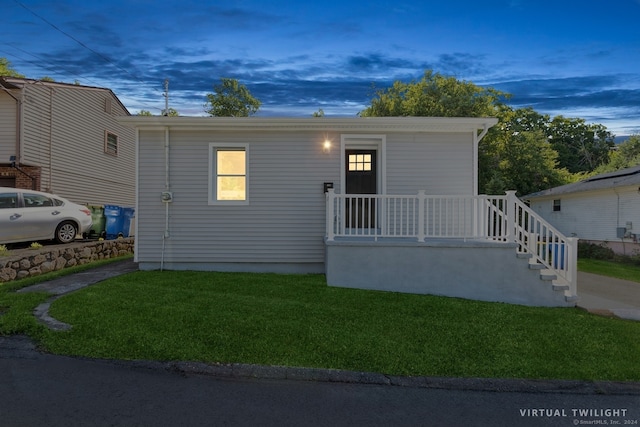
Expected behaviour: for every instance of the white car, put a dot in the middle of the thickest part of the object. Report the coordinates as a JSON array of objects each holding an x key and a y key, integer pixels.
[{"x": 27, "y": 215}]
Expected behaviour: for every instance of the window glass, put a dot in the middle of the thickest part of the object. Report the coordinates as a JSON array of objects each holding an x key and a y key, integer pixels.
[
  {"x": 557, "y": 206},
  {"x": 8, "y": 200},
  {"x": 230, "y": 174},
  {"x": 111, "y": 144},
  {"x": 359, "y": 162},
  {"x": 36, "y": 200}
]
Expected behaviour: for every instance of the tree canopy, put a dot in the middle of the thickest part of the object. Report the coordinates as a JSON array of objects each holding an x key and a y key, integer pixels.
[
  {"x": 7, "y": 70},
  {"x": 437, "y": 96},
  {"x": 231, "y": 99},
  {"x": 526, "y": 151}
]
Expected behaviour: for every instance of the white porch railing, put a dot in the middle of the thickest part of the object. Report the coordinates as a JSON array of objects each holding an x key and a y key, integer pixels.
[{"x": 421, "y": 217}]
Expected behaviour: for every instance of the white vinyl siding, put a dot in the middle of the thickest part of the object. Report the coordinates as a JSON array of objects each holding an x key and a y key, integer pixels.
[
  {"x": 593, "y": 215},
  {"x": 64, "y": 133}
]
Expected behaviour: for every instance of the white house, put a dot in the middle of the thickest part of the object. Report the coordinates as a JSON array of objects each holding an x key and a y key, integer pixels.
[
  {"x": 603, "y": 209},
  {"x": 65, "y": 139},
  {"x": 376, "y": 203}
]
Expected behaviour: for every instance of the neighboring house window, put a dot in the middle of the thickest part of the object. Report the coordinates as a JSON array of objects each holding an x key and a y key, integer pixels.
[
  {"x": 229, "y": 174},
  {"x": 111, "y": 143},
  {"x": 556, "y": 205}
]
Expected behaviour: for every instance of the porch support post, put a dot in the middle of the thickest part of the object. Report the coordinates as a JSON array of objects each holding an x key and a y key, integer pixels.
[
  {"x": 421, "y": 199},
  {"x": 510, "y": 234},
  {"x": 572, "y": 264},
  {"x": 330, "y": 214}
]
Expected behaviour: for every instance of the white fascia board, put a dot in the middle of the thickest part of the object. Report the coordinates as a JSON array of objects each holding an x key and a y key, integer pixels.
[{"x": 359, "y": 124}]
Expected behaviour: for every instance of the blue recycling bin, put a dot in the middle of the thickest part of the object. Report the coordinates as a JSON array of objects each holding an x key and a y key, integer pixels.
[
  {"x": 114, "y": 221},
  {"x": 128, "y": 214},
  {"x": 558, "y": 255}
]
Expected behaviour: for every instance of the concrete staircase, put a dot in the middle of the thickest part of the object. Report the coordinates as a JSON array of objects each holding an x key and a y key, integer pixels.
[{"x": 549, "y": 277}]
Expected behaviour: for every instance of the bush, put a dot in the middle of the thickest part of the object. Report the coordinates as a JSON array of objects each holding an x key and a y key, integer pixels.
[
  {"x": 602, "y": 252},
  {"x": 595, "y": 251}
]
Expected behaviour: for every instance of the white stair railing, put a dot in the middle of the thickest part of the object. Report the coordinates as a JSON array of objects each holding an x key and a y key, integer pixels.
[{"x": 421, "y": 217}]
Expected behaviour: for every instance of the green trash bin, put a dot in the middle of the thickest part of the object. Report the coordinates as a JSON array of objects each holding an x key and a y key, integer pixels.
[{"x": 98, "y": 226}]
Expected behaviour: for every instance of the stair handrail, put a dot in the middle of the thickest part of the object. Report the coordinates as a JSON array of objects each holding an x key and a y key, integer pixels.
[{"x": 547, "y": 245}]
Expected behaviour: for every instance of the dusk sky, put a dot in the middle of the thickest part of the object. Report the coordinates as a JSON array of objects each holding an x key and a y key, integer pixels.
[{"x": 577, "y": 58}]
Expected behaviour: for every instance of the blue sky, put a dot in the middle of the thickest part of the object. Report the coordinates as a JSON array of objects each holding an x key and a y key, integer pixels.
[{"x": 574, "y": 58}]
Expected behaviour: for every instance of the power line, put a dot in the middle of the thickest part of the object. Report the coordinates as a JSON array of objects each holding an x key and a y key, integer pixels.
[{"x": 55, "y": 27}]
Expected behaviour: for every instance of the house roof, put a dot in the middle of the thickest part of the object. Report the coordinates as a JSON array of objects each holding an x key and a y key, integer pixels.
[
  {"x": 355, "y": 124},
  {"x": 18, "y": 82},
  {"x": 620, "y": 178}
]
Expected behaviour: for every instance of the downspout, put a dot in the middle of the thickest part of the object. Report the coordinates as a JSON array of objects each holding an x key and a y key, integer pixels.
[
  {"x": 50, "y": 186},
  {"x": 615, "y": 190},
  {"x": 166, "y": 196}
]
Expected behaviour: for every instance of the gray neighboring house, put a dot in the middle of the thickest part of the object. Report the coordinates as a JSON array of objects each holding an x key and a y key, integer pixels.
[
  {"x": 602, "y": 209},
  {"x": 374, "y": 203},
  {"x": 65, "y": 139}
]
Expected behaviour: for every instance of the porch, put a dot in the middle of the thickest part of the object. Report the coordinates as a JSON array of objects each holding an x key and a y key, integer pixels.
[{"x": 491, "y": 248}]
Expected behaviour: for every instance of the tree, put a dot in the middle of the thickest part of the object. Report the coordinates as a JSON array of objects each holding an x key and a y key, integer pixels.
[
  {"x": 581, "y": 147},
  {"x": 6, "y": 70},
  {"x": 172, "y": 113},
  {"x": 514, "y": 155},
  {"x": 144, "y": 113},
  {"x": 625, "y": 155},
  {"x": 319, "y": 113},
  {"x": 525, "y": 162},
  {"x": 231, "y": 99},
  {"x": 437, "y": 96}
]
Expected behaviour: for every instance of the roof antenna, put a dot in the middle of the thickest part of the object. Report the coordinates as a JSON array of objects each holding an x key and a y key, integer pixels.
[{"x": 166, "y": 97}]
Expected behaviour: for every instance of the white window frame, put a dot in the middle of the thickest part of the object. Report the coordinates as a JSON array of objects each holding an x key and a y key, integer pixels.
[{"x": 213, "y": 174}]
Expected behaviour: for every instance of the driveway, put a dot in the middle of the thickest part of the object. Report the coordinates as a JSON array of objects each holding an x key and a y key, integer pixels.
[{"x": 606, "y": 295}]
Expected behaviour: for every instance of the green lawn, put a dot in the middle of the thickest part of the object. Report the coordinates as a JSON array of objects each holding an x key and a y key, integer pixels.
[
  {"x": 296, "y": 320},
  {"x": 626, "y": 271}
]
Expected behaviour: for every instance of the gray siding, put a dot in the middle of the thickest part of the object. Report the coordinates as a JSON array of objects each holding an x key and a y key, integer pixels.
[
  {"x": 439, "y": 163},
  {"x": 64, "y": 132},
  {"x": 7, "y": 127},
  {"x": 284, "y": 222}
]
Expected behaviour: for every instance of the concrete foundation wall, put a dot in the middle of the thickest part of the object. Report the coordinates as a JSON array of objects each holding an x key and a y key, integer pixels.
[{"x": 486, "y": 271}]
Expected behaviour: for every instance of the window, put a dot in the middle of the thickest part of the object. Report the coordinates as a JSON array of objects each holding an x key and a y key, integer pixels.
[
  {"x": 359, "y": 162},
  {"x": 111, "y": 143},
  {"x": 229, "y": 175},
  {"x": 8, "y": 200},
  {"x": 36, "y": 200},
  {"x": 556, "y": 205}
]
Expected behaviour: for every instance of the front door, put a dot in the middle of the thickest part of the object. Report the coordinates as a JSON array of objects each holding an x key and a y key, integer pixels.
[{"x": 361, "y": 178}]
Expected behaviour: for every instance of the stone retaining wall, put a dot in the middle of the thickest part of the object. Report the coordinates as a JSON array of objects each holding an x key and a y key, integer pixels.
[{"x": 32, "y": 262}]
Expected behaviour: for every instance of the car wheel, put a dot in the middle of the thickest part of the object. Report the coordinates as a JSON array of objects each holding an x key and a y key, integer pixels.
[{"x": 66, "y": 232}]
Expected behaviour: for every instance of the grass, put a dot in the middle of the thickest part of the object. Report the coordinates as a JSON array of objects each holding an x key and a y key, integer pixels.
[
  {"x": 626, "y": 271},
  {"x": 296, "y": 320},
  {"x": 16, "y": 309}
]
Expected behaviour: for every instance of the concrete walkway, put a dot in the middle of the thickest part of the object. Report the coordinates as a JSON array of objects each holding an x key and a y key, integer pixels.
[{"x": 608, "y": 296}]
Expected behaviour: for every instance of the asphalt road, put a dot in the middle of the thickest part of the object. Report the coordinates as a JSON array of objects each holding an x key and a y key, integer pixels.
[{"x": 39, "y": 389}]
